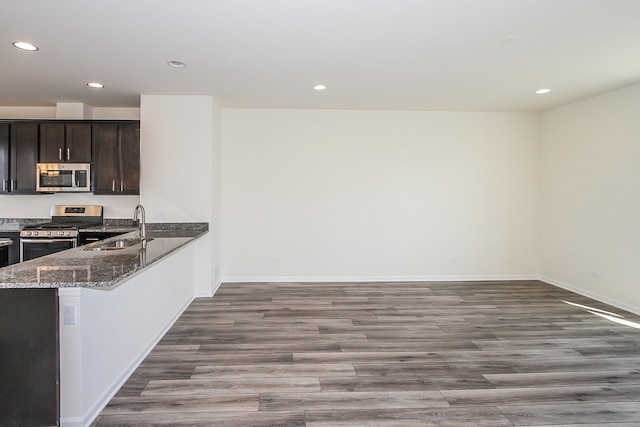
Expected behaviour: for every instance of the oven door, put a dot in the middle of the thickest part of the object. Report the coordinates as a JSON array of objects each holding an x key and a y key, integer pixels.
[{"x": 34, "y": 248}]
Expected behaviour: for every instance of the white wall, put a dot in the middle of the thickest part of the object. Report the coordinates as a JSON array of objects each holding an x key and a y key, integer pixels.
[
  {"x": 216, "y": 223},
  {"x": 38, "y": 206},
  {"x": 178, "y": 169},
  {"x": 95, "y": 113},
  {"x": 8, "y": 112},
  {"x": 367, "y": 195},
  {"x": 591, "y": 203},
  {"x": 176, "y": 152}
]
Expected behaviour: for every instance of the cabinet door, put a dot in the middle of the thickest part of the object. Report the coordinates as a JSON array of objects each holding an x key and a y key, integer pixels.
[
  {"x": 52, "y": 143},
  {"x": 129, "y": 153},
  {"x": 4, "y": 157},
  {"x": 78, "y": 143},
  {"x": 65, "y": 142},
  {"x": 14, "y": 248},
  {"x": 105, "y": 158},
  {"x": 30, "y": 373},
  {"x": 24, "y": 157}
]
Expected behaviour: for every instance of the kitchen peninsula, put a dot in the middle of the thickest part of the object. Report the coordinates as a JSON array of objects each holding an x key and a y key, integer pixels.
[{"x": 97, "y": 313}]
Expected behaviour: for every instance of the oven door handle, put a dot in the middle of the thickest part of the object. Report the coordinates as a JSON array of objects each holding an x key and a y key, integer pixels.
[{"x": 47, "y": 240}]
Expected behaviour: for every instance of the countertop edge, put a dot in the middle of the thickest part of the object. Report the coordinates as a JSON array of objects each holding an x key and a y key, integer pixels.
[
  {"x": 168, "y": 242},
  {"x": 107, "y": 286}
]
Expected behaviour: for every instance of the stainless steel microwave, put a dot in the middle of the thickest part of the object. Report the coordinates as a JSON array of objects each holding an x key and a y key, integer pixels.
[{"x": 63, "y": 177}]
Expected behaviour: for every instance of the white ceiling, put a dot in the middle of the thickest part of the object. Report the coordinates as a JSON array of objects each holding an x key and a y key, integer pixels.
[{"x": 371, "y": 54}]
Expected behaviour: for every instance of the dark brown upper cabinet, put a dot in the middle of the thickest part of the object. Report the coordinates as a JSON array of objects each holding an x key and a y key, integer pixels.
[
  {"x": 18, "y": 157},
  {"x": 65, "y": 142},
  {"x": 116, "y": 158}
]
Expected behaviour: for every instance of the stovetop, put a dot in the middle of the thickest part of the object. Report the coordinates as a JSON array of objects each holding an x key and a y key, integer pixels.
[
  {"x": 65, "y": 222},
  {"x": 71, "y": 225}
]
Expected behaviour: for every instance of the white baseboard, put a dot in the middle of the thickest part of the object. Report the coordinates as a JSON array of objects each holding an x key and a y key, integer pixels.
[
  {"x": 72, "y": 422},
  {"x": 615, "y": 303},
  {"x": 209, "y": 294},
  {"x": 371, "y": 279}
]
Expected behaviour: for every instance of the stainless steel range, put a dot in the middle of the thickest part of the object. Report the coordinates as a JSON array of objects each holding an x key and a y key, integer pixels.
[{"x": 60, "y": 233}]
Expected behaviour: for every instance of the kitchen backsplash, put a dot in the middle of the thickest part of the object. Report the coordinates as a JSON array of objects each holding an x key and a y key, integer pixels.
[{"x": 38, "y": 206}]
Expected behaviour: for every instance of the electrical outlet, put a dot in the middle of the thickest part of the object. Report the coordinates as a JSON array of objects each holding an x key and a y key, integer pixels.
[{"x": 69, "y": 314}]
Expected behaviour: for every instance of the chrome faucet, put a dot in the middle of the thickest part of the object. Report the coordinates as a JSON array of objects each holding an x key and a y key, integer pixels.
[{"x": 138, "y": 215}]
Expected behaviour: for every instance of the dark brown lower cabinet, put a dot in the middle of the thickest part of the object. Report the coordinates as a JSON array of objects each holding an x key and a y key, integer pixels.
[
  {"x": 29, "y": 357},
  {"x": 13, "y": 251}
]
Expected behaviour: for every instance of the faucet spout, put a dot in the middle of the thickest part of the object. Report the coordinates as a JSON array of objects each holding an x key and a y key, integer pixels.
[{"x": 138, "y": 215}]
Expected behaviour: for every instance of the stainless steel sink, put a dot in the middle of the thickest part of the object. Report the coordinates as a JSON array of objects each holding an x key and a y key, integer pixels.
[{"x": 114, "y": 245}]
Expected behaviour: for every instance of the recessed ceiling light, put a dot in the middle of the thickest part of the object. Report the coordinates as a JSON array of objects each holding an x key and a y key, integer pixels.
[
  {"x": 510, "y": 39},
  {"x": 176, "y": 64},
  {"x": 25, "y": 46},
  {"x": 541, "y": 91},
  {"x": 95, "y": 85},
  {"x": 319, "y": 87}
]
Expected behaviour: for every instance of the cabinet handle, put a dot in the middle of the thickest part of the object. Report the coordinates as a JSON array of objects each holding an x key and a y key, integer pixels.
[
  {"x": 14, "y": 184},
  {"x": 4, "y": 185},
  {"x": 68, "y": 153},
  {"x": 60, "y": 153},
  {"x": 121, "y": 186},
  {"x": 113, "y": 185}
]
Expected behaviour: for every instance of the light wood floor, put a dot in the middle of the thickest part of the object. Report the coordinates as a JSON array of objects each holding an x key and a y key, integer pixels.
[{"x": 389, "y": 354}]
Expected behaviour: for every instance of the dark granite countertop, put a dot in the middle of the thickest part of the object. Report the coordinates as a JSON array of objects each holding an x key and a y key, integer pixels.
[{"x": 83, "y": 268}]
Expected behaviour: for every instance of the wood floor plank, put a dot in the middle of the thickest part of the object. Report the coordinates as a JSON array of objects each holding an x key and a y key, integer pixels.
[
  {"x": 274, "y": 370},
  {"x": 632, "y": 391},
  {"x": 406, "y": 383},
  {"x": 172, "y": 403},
  {"x": 352, "y": 400},
  {"x": 515, "y": 355},
  {"x": 437, "y": 369},
  {"x": 204, "y": 419},
  {"x": 544, "y": 379},
  {"x": 533, "y": 395},
  {"x": 572, "y": 413},
  {"x": 482, "y": 354},
  {"x": 236, "y": 385},
  {"x": 447, "y": 417},
  {"x": 365, "y": 356}
]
